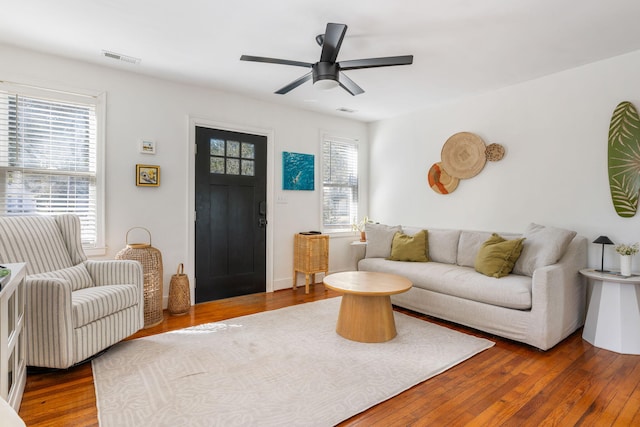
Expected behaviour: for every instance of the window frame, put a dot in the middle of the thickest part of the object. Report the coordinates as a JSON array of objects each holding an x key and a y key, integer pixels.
[
  {"x": 98, "y": 101},
  {"x": 347, "y": 229}
]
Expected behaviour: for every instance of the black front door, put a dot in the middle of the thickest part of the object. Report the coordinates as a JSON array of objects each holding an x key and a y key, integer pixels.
[{"x": 231, "y": 194}]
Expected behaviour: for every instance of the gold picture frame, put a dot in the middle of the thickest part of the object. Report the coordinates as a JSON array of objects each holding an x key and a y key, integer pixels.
[{"x": 147, "y": 176}]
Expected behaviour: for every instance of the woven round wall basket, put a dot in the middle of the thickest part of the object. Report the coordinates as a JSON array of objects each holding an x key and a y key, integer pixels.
[
  {"x": 151, "y": 260},
  {"x": 463, "y": 155},
  {"x": 179, "y": 293},
  {"x": 494, "y": 152},
  {"x": 440, "y": 181}
]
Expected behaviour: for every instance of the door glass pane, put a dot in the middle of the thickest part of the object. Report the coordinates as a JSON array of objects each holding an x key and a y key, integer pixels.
[
  {"x": 225, "y": 157},
  {"x": 233, "y": 167},
  {"x": 248, "y": 150},
  {"x": 217, "y": 147},
  {"x": 217, "y": 165},
  {"x": 248, "y": 167},
  {"x": 233, "y": 149}
]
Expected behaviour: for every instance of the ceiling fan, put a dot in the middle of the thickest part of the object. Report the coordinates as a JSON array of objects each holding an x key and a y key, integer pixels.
[{"x": 327, "y": 72}]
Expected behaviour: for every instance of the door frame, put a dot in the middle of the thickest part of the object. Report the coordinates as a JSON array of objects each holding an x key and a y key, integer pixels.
[{"x": 191, "y": 189}]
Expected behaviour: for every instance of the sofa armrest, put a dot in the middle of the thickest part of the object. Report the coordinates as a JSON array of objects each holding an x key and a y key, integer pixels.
[
  {"x": 558, "y": 295},
  {"x": 48, "y": 309}
]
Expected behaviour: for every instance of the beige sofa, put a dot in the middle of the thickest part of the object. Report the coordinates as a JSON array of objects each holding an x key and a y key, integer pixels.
[{"x": 540, "y": 303}]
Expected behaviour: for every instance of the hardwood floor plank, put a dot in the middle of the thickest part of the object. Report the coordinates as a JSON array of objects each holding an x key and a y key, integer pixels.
[
  {"x": 510, "y": 384},
  {"x": 598, "y": 370},
  {"x": 630, "y": 413},
  {"x": 471, "y": 397},
  {"x": 618, "y": 391}
]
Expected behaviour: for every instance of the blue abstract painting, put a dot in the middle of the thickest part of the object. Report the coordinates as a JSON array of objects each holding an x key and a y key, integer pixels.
[{"x": 297, "y": 171}]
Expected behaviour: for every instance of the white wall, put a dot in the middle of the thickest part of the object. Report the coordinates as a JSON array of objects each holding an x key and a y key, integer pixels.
[
  {"x": 554, "y": 172},
  {"x": 143, "y": 107}
]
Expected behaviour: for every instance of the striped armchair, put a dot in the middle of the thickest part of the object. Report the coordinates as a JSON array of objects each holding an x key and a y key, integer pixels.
[{"x": 75, "y": 307}]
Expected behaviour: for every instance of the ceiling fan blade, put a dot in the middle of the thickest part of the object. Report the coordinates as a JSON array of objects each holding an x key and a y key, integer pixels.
[
  {"x": 349, "y": 85},
  {"x": 294, "y": 84},
  {"x": 376, "y": 62},
  {"x": 275, "y": 61},
  {"x": 333, "y": 36}
]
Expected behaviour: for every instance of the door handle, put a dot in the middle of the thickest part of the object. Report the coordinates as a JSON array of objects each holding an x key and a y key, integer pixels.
[{"x": 262, "y": 222}]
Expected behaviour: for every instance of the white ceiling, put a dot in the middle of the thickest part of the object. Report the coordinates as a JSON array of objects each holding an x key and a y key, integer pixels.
[{"x": 460, "y": 47}]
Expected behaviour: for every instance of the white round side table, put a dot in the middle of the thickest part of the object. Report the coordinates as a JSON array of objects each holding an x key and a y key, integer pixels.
[{"x": 613, "y": 316}]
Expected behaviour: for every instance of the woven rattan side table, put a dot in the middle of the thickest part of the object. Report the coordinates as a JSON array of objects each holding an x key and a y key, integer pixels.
[{"x": 310, "y": 256}]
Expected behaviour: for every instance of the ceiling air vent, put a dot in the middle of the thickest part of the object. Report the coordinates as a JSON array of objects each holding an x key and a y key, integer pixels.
[{"x": 120, "y": 57}]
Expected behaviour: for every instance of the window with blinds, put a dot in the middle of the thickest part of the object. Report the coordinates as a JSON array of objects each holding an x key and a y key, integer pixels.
[
  {"x": 339, "y": 184},
  {"x": 48, "y": 147}
]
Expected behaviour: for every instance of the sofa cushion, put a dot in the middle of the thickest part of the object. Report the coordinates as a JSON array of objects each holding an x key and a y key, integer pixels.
[
  {"x": 94, "y": 303},
  {"x": 78, "y": 276},
  {"x": 379, "y": 238},
  {"x": 512, "y": 291},
  {"x": 410, "y": 231},
  {"x": 469, "y": 245},
  {"x": 410, "y": 248},
  {"x": 443, "y": 245},
  {"x": 497, "y": 256},
  {"x": 543, "y": 246}
]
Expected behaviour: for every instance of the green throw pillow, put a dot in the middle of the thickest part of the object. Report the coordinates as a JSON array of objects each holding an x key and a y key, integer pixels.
[
  {"x": 497, "y": 256},
  {"x": 409, "y": 248}
]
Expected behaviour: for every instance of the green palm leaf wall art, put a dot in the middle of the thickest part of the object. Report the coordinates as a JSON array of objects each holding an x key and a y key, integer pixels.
[{"x": 624, "y": 159}]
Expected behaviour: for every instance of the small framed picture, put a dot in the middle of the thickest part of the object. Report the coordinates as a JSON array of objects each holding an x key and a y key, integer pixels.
[
  {"x": 147, "y": 146},
  {"x": 147, "y": 176}
]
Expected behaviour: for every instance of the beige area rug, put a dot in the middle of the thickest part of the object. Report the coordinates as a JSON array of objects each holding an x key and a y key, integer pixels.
[{"x": 276, "y": 368}]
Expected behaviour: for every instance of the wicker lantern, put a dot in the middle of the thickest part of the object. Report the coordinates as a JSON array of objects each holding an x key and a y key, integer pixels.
[
  {"x": 151, "y": 260},
  {"x": 179, "y": 294}
]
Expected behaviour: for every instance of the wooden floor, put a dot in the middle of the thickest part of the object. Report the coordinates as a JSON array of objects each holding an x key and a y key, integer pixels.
[{"x": 510, "y": 384}]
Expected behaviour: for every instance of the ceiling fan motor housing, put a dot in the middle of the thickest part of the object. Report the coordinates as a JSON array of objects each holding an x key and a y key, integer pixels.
[{"x": 326, "y": 71}]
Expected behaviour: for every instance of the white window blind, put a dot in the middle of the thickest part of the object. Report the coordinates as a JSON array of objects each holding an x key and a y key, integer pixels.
[
  {"x": 48, "y": 162},
  {"x": 340, "y": 184}
]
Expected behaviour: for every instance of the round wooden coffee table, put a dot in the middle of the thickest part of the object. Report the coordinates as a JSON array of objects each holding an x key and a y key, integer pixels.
[{"x": 366, "y": 314}]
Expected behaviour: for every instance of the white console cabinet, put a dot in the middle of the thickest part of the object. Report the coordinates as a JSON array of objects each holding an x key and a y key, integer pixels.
[{"x": 13, "y": 369}]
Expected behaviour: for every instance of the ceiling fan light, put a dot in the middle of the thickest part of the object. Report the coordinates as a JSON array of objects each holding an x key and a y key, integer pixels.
[
  {"x": 325, "y": 75},
  {"x": 326, "y": 84}
]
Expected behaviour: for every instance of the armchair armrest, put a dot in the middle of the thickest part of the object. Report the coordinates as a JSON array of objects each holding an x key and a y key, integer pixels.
[
  {"x": 115, "y": 272},
  {"x": 49, "y": 322},
  {"x": 118, "y": 272}
]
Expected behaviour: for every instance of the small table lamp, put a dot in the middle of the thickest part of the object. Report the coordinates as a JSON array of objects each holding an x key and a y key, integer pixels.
[{"x": 603, "y": 240}]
